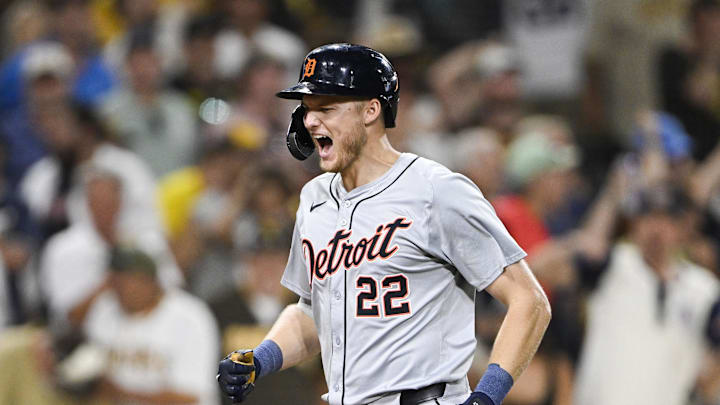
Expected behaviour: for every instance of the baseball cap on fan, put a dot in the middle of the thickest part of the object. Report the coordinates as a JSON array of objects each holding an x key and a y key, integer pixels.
[
  {"x": 668, "y": 200},
  {"x": 130, "y": 259},
  {"x": 47, "y": 59},
  {"x": 533, "y": 153}
]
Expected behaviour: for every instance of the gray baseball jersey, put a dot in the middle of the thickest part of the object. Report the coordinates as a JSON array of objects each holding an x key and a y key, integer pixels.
[{"x": 391, "y": 270}]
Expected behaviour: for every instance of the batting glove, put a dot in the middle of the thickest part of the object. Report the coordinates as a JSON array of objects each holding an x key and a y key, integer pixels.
[{"x": 236, "y": 375}]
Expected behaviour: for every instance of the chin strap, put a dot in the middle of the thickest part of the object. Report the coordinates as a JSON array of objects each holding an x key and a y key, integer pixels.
[{"x": 298, "y": 139}]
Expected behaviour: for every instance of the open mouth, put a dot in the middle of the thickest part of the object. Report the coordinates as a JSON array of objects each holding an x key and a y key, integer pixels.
[{"x": 324, "y": 144}]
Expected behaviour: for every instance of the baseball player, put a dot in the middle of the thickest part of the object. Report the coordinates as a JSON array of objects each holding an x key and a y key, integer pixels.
[{"x": 387, "y": 253}]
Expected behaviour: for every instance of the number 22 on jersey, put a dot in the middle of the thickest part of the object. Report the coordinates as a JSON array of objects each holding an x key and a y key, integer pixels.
[{"x": 394, "y": 290}]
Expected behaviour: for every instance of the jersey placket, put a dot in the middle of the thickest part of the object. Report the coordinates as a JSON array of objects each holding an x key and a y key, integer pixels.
[{"x": 339, "y": 285}]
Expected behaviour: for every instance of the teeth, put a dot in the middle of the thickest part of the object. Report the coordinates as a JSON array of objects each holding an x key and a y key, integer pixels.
[{"x": 320, "y": 137}]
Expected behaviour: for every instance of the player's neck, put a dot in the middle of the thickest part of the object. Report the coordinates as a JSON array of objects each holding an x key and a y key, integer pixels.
[{"x": 376, "y": 158}]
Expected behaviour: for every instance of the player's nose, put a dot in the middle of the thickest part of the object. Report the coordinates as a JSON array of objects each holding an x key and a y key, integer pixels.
[{"x": 311, "y": 120}]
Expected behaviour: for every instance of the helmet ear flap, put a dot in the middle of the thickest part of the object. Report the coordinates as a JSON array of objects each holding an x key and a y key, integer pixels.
[
  {"x": 298, "y": 139},
  {"x": 390, "y": 113},
  {"x": 389, "y": 110}
]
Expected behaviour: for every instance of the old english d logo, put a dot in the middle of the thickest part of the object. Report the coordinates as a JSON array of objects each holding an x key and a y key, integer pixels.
[{"x": 309, "y": 67}]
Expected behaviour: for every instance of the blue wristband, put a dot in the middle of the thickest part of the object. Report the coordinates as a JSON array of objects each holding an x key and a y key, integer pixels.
[
  {"x": 495, "y": 383},
  {"x": 268, "y": 358}
]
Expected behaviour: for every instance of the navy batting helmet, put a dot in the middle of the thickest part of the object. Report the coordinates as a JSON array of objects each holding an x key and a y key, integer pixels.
[{"x": 340, "y": 70}]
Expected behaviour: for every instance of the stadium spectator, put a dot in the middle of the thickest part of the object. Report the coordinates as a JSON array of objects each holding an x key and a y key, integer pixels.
[
  {"x": 269, "y": 211},
  {"x": 257, "y": 118},
  {"x": 689, "y": 74},
  {"x": 246, "y": 31},
  {"x": 46, "y": 185},
  {"x": 228, "y": 219},
  {"x": 161, "y": 22},
  {"x": 73, "y": 27},
  {"x": 220, "y": 163},
  {"x": 200, "y": 204},
  {"x": 162, "y": 345},
  {"x": 256, "y": 299},
  {"x": 23, "y": 23},
  {"x": 623, "y": 42},
  {"x": 197, "y": 79},
  {"x": 650, "y": 312},
  {"x": 475, "y": 84},
  {"x": 74, "y": 263},
  {"x": 540, "y": 166},
  {"x": 46, "y": 73},
  {"x": 53, "y": 187},
  {"x": 478, "y": 83},
  {"x": 70, "y": 25},
  {"x": 155, "y": 122}
]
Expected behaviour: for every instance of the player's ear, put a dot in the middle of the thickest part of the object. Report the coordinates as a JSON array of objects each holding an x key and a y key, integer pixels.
[{"x": 372, "y": 111}]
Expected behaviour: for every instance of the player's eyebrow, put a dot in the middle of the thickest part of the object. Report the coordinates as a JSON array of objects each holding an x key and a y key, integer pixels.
[{"x": 317, "y": 107}]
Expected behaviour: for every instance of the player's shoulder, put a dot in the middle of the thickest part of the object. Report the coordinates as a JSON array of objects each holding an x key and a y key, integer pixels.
[
  {"x": 317, "y": 188},
  {"x": 441, "y": 179},
  {"x": 430, "y": 167}
]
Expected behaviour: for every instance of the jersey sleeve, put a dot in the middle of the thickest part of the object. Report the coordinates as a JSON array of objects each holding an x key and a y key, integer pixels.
[
  {"x": 297, "y": 277},
  {"x": 466, "y": 232}
]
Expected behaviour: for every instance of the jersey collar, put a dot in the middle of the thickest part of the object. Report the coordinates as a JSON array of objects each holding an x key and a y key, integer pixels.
[{"x": 376, "y": 185}]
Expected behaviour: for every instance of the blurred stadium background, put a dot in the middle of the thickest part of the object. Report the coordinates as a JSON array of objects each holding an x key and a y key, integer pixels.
[{"x": 591, "y": 125}]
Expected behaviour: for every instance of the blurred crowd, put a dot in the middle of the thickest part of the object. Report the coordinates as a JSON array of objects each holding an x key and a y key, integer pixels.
[{"x": 147, "y": 197}]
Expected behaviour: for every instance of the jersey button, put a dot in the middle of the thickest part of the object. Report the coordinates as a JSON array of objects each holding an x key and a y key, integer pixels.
[
  {"x": 343, "y": 222},
  {"x": 336, "y": 388},
  {"x": 337, "y": 295},
  {"x": 347, "y": 204},
  {"x": 337, "y": 341}
]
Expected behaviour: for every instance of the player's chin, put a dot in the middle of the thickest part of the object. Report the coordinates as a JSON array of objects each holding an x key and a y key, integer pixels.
[
  {"x": 333, "y": 163},
  {"x": 328, "y": 165}
]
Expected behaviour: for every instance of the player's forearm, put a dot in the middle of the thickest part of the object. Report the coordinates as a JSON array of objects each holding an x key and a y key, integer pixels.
[
  {"x": 521, "y": 332},
  {"x": 296, "y": 335}
]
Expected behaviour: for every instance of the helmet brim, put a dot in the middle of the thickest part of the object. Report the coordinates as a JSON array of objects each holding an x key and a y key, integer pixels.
[
  {"x": 301, "y": 89},
  {"x": 297, "y": 91}
]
